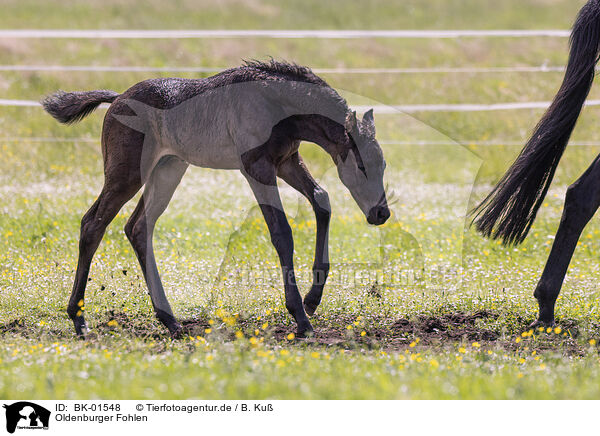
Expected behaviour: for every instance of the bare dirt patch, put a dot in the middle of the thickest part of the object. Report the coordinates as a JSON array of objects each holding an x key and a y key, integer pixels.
[
  {"x": 428, "y": 331},
  {"x": 398, "y": 335},
  {"x": 145, "y": 328},
  {"x": 453, "y": 326}
]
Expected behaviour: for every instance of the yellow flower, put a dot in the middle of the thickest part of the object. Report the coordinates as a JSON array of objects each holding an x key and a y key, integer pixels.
[
  {"x": 207, "y": 331},
  {"x": 557, "y": 330},
  {"x": 462, "y": 350},
  {"x": 314, "y": 355},
  {"x": 291, "y": 336},
  {"x": 549, "y": 330},
  {"x": 520, "y": 375},
  {"x": 521, "y": 360},
  {"x": 434, "y": 363},
  {"x": 112, "y": 323},
  {"x": 265, "y": 325},
  {"x": 592, "y": 342},
  {"x": 239, "y": 334},
  {"x": 284, "y": 352},
  {"x": 476, "y": 345},
  {"x": 412, "y": 344},
  {"x": 253, "y": 340},
  {"x": 518, "y": 340},
  {"x": 363, "y": 333}
]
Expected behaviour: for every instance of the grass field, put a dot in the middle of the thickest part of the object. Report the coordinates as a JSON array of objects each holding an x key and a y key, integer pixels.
[{"x": 451, "y": 311}]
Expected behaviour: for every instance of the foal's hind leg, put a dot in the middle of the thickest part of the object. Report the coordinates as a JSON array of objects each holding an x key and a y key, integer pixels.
[
  {"x": 295, "y": 173},
  {"x": 581, "y": 202},
  {"x": 116, "y": 192},
  {"x": 158, "y": 192}
]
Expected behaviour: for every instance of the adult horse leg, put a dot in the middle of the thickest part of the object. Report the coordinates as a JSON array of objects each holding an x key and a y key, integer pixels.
[
  {"x": 581, "y": 202},
  {"x": 294, "y": 173},
  {"x": 118, "y": 188},
  {"x": 159, "y": 189},
  {"x": 263, "y": 181}
]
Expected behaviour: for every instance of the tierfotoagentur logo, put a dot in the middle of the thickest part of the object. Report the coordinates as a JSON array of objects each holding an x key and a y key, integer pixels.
[{"x": 26, "y": 416}]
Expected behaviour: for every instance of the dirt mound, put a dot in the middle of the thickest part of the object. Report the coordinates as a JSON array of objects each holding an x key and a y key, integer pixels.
[
  {"x": 452, "y": 326},
  {"x": 142, "y": 328}
]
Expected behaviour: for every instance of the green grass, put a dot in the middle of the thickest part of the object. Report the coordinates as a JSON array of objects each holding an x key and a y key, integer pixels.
[
  {"x": 213, "y": 249},
  {"x": 310, "y": 14}
]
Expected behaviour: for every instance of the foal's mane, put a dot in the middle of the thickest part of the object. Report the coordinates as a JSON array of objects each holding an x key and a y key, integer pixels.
[
  {"x": 287, "y": 70},
  {"x": 281, "y": 70}
]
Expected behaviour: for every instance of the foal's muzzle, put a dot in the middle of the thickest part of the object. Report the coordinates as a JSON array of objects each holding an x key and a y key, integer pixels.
[{"x": 378, "y": 215}]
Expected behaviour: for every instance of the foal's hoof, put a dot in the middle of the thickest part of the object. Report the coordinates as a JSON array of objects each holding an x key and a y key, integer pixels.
[
  {"x": 305, "y": 331},
  {"x": 177, "y": 332},
  {"x": 81, "y": 328},
  {"x": 540, "y": 323}
]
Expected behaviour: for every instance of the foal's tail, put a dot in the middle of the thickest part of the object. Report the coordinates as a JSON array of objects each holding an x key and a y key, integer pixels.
[
  {"x": 510, "y": 209},
  {"x": 71, "y": 107}
]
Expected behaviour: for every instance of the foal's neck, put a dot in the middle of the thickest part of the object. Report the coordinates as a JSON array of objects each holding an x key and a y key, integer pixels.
[{"x": 326, "y": 133}]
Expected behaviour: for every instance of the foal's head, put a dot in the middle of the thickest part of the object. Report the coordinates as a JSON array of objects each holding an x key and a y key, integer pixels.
[{"x": 360, "y": 166}]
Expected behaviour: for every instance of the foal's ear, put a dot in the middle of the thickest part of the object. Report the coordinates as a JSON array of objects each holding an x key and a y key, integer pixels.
[
  {"x": 368, "y": 122},
  {"x": 351, "y": 124}
]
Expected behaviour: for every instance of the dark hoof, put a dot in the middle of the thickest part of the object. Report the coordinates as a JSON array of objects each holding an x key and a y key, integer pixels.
[
  {"x": 305, "y": 331},
  {"x": 81, "y": 328},
  {"x": 177, "y": 332},
  {"x": 309, "y": 309},
  {"x": 540, "y": 323},
  {"x": 169, "y": 321}
]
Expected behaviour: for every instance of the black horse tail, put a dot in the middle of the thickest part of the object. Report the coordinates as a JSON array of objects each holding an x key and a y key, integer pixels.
[
  {"x": 71, "y": 107},
  {"x": 510, "y": 209}
]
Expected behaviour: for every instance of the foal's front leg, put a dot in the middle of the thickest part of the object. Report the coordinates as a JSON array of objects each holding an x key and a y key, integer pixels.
[
  {"x": 294, "y": 173},
  {"x": 263, "y": 181}
]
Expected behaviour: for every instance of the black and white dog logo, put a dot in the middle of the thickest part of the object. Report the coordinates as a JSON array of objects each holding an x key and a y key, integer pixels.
[{"x": 26, "y": 415}]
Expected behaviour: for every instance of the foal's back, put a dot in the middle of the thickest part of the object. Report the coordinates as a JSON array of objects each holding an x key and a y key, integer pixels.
[{"x": 211, "y": 122}]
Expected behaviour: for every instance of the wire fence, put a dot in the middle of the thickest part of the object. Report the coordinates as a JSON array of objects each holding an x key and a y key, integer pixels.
[
  {"x": 340, "y": 70},
  {"x": 466, "y": 142},
  {"x": 393, "y": 109},
  {"x": 277, "y": 34}
]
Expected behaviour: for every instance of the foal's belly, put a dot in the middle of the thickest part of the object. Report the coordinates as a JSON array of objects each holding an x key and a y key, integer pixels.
[{"x": 217, "y": 156}]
